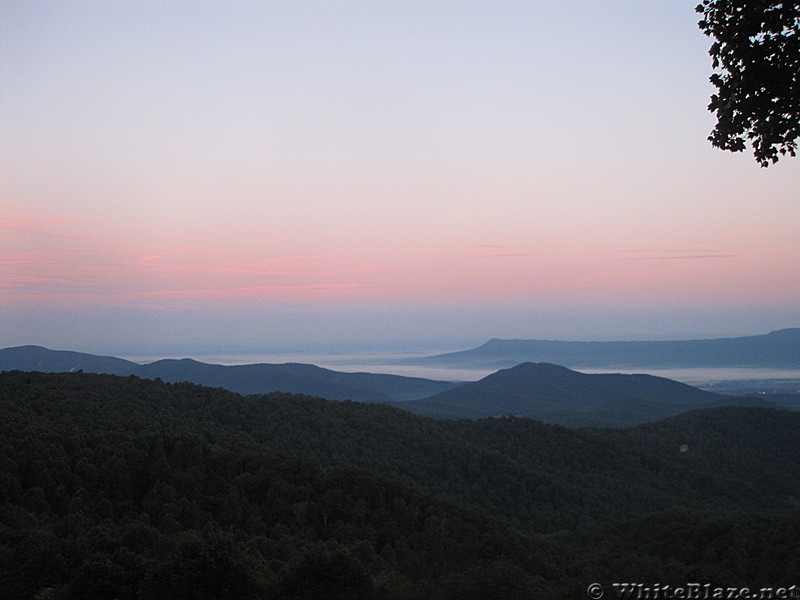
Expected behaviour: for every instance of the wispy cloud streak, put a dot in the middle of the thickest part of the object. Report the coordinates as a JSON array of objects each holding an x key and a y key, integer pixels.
[
  {"x": 674, "y": 254},
  {"x": 75, "y": 268},
  {"x": 40, "y": 227}
]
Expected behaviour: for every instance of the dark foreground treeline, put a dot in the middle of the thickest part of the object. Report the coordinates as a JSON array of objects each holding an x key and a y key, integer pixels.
[{"x": 119, "y": 487}]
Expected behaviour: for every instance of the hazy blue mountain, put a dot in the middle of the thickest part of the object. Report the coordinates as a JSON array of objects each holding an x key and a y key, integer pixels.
[
  {"x": 776, "y": 349},
  {"x": 555, "y": 394},
  {"x": 543, "y": 391},
  {"x": 37, "y": 358},
  {"x": 294, "y": 378},
  {"x": 243, "y": 379}
]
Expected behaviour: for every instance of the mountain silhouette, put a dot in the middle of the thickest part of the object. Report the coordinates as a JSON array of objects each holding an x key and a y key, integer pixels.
[
  {"x": 776, "y": 349},
  {"x": 243, "y": 379},
  {"x": 37, "y": 358},
  {"x": 543, "y": 391},
  {"x": 293, "y": 378},
  {"x": 556, "y": 394}
]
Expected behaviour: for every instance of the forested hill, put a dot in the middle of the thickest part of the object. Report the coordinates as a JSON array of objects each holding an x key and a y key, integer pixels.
[
  {"x": 120, "y": 487},
  {"x": 778, "y": 349},
  {"x": 556, "y": 394}
]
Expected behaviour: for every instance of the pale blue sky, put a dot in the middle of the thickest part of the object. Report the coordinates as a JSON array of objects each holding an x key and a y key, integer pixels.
[{"x": 304, "y": 172}]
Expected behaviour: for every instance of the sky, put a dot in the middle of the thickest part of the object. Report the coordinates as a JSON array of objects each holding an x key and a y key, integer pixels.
[{"x": 201, "y": 175}]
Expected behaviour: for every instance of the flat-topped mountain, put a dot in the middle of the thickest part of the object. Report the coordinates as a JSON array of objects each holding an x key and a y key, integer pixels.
[
  {"x": 778, "y": 349},
  {"x": 556, "y": 394}
]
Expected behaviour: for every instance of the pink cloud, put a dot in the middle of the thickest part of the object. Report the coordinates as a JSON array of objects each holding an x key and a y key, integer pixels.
[
  {"x": 54, "y": 265},
  {"x": 101, "y": 270},
  {"x": 690, "y": 257},
  {"x": 503, "y": 251},
  {"x": 43, "y": 227},
  {"x": 677, "y": 255},
  {"x": 146, "y": 259},
  {"x": 500, "y": 254},
  {"x": 290, "y": 293}
]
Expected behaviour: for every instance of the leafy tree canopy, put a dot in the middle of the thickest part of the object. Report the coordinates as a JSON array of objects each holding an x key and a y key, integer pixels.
[{"x": 756, "y": 57}]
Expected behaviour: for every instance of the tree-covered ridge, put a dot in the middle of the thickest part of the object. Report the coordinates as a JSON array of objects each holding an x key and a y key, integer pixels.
[
  {"x": 518, "y": 469},
  {"x": 152, "y": 511},
  {"x": 97, "y": 504},
  {"x": 129, "y": 488}
]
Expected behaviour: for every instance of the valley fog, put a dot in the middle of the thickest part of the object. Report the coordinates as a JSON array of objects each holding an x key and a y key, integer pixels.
[{"x": 391, "y": 364}]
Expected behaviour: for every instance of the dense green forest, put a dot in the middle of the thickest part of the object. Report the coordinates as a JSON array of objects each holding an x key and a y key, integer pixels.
[{"x": 121, "y": 487}]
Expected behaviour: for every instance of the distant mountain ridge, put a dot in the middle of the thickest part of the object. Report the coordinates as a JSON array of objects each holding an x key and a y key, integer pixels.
[
  {"x": 38, "y": 358},
  {"x": 542, "y": 391},
  {"x": 555, "y": 394},
  {"x": 243, "y": 379},
  {"x": 777, "y": 349},
  {"x": 294, "y": 378}
]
